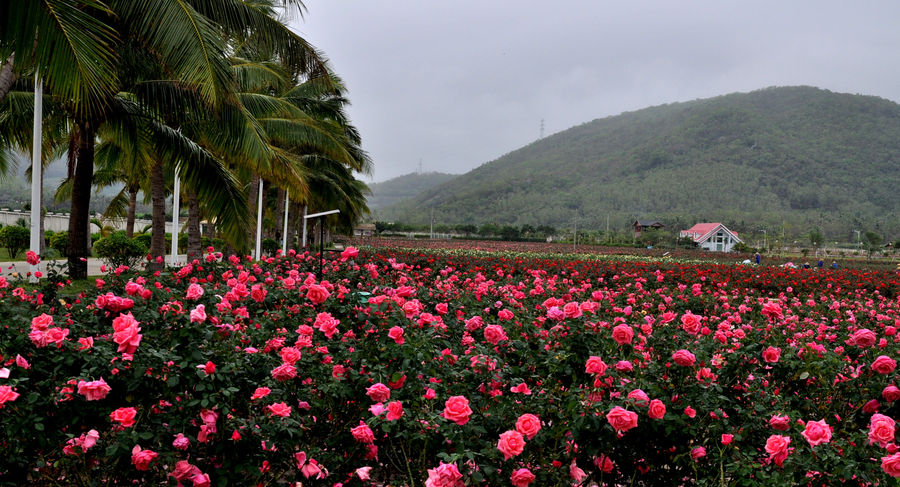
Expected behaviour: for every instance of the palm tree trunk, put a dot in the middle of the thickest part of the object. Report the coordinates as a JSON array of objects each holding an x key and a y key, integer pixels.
[
  {"x": 132, "y": 211},
  {"x": 158, "y": 235},
  {"x": 79, "y": 237},
  {"x": 194, "y": 243},
  {"x": 7, "y": 76}
]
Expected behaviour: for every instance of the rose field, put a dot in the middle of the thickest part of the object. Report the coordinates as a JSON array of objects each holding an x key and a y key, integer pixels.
[{"x": 408, "y": 367}]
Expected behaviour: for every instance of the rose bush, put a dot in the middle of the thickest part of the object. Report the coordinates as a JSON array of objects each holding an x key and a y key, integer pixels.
[{"x": 404, "y": 367}]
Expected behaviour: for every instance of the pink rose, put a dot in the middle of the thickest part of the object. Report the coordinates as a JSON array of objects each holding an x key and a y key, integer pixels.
[
  {"x": 317, "y": 294},
  {"x": 32, "y": 258},
  {"x": 363, "y": 433},
  {"x": 817, "y": 432},
  {"x": 522, "y": 477},
  {"x": 639, "y": 397},
  {"x": 657, "y": 409},
  {"x": 511, "y": 444},
  {"x": 396, "y": 334},
  {"x": 772, "y": 354},
  {"x": 621, "y": 419},
  {"x": 727, "y": 438},
  {"x": 327, "y": 324},
  {"x": 141, "y": 458},
  {"x": 194, "y": 291},
  {"x": 290, "y": 355},
  {"x": 394, "y": 411},
  {"x": 891, "y": 465},
  {"x": 456, "y": 409},
  {"x": 125, "y": 416},
  {"x": 41, "y": 322},
  {"x": 777, "y": 448},
  {"x": 884, "y": 364},
  {"x": 89, "y": 440},
  {"x": 363, "y": 473},
  {"x": 181, "y": 442},
  {"x": 494, "y": 334},
  {"x": 780, "y": 422},
  {"x": 505, "y": 314},
  {"x": 698, "y": 453},
  {"x": 863, "y": 338},
  {"x": 881, "y": 430},
  {"x": 198, "y": 314},
  {"x": 690, "y": 412},
  {"x": 445, "y": 475},
  {"x": 572, "y": 310},
  {"x": 284, "y": 372},
  {"x": 890, "y": 393},
  {"x": 279, "y": 409},
  {"x": 684, "y": 358},
  {"x": 528, "y": 425},
  {"x": 184, "y": 470},
  {"x": 7, "y": 394},
  {"x": 595, "y": 366},
  {"x": 623, "y": 334},
  {"x": 690, "y": 323},
  {"x": 94, "y": 390},
  {"x": 378, "y": 392},
  {"x": 127, "y": 333},
  {"x": 260, "y": 392}
]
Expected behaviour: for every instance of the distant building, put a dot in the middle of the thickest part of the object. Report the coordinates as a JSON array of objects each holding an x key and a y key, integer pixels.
[
  {"x": 712, "y": 236},
  {"x": 641, "y": 225},
  {"x": 364, "y": 230}
]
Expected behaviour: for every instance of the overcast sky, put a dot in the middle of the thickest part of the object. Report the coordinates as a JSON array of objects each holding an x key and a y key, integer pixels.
[{"x": 455, "y": 84}]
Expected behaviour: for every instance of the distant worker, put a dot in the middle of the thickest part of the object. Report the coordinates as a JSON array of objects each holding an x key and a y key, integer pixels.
[
  {"x": 806, "y": 265},
  {"x": 834, "y": 264},
  {"x": 820, "y": 264},
  {"x": 757, "y": 258}
]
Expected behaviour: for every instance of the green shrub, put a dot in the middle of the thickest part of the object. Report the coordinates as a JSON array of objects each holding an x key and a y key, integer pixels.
[
  {"x": 118, "y": 250},
  {"x": 59, "y": 241},
  {"x": 270, "y": 246},
  {"x": 14, "y": 239}
]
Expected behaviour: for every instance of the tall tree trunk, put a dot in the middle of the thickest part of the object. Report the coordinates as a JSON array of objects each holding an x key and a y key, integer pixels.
[
  {"x": 43, "y": 243},
  {"x": 79, "y": 237},
  {"x": 252, "y": 198},
  {"x": 132, "y": 211},
  {"x": 7, "y": 76},
  {"x": 194, "y": 243},
  {"x": 158, "y": 236}
]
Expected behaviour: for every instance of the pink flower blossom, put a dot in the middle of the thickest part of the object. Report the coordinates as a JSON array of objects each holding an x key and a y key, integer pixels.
[
  {"x": 521, "y": 477},
  {"x": 622, "y": 419},
  {"x": 456, "y": 409},
  {"x": 511, "y": 444},
  {"x": 817, "y": 432},
  {"x": 94, "y": 390}
]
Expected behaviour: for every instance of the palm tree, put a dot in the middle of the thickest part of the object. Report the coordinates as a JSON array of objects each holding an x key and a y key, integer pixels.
[{"x": 71, "y": 42}]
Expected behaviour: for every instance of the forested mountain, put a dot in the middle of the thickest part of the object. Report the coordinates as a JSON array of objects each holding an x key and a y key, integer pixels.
[
  {"x": 388, "y": 192},
  {"x": 796, "y": 157}
]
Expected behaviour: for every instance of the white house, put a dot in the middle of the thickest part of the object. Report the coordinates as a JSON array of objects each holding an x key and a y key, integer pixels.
[{"x": 712, "y": 236}]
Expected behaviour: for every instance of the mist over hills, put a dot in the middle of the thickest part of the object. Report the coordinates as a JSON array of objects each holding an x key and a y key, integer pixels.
[
  {"x": 795, "y": 157},
  {"x": 393, "y": 190}
]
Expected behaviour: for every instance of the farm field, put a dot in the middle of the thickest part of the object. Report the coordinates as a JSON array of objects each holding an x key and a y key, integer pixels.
[{"x": 447, "y": 367}]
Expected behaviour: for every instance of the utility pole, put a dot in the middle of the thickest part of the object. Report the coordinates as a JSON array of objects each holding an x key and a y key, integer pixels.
[
  {"x": 432, "y": 224},
  {"x": 542, "y": 128}
]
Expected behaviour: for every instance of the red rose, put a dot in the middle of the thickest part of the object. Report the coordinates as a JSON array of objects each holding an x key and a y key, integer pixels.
[{"x": 125, "y": 416}]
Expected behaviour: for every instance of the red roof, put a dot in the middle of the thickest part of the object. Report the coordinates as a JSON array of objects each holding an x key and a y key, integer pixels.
[{"x": 701, "y": 231}]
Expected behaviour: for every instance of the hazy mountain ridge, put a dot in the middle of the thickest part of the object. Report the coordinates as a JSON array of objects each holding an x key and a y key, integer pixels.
[
  {"x": 396, "y": 189},
  {"x": 803, "y": 155}
]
